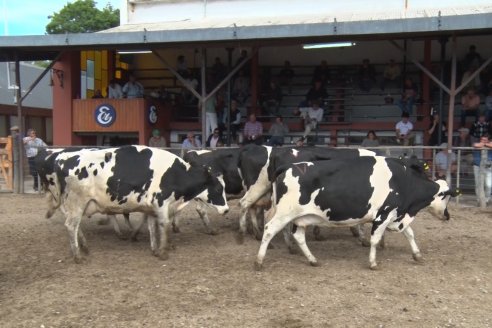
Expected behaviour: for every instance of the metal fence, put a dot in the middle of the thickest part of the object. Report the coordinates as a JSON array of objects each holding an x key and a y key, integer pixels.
[{"x": 462, "y": 176}]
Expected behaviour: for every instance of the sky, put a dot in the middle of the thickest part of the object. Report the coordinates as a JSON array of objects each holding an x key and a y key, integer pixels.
[{"x": 30, "y": 17}]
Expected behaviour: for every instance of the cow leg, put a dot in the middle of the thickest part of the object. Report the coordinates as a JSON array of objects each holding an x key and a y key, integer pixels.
[
  {"x": 271, "y": 229},
  {"x": 72, "y": 223},
  {"x": 163, "y": 226},
  {"x": 116, "y": 226},
  {"x": 83, "y": 242},
  {"x": 378, "y": 227},
  {"x": 287, "y": 232},
  {"x": 242, "y": 227},
  {"x": 253, "y": 213},
  {"x": 300, "y": 237},
  {"x": 250, "y": 197},
  {"x": 317, "y": 233},
  {"x": 408, "y": 232},
  {"x": 202, "y": 211},
  {"x": 136, "y": 230},
  {"x": 151, "y": 223}
]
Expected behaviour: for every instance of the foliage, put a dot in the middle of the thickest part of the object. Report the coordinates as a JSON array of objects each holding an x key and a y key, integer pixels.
[{"x": 82, "y": 16}]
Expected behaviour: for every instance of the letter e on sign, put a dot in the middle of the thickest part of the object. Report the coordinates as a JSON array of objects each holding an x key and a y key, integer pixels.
[
  {"x": 152, "y": 114},
  {"x": 105, "y": 115}
]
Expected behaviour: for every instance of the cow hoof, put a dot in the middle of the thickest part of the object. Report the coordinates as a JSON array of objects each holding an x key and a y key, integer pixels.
[
  {"x": 84, "y": 249},
  {"x": 258, "y": 266},
  {"x": 417, "y": 257},
  {"x": 314, "y": 263},
  {"x": 292, "y": 250},
  {"x": 78, "y": 259},
  {"x": 240, "y": 238},
  {"x": 212, "y": 232},
  {"x": 163, "y": 256},
  {"x": 258, "y": 236},
  {"x": 170, "y": 247},
  {"x": 155, "y": 252},
  {"x": 122, "y": 237},
  {"x": 365, "y": 243},
  {"x": 355, "y": 231},
  {"x": 374, "y": 266}
]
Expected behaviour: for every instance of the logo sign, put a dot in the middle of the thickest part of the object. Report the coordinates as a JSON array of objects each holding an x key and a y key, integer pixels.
[
  {"x": 152, "y": 114},
  {"x": 105, "y": 115}
]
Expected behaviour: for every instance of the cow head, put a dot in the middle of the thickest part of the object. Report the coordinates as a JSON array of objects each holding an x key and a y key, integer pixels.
[
  {"x": 214, "y": 193},
  {"x": 439, "y": 206}
]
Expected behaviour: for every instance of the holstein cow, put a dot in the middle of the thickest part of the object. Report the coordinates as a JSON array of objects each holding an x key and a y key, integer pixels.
[
  {"x": 45, "y": 165},
  {"x": 221, "y": 161},
  {"x": 258, "y": 165},
  {"x": 384, "y": 191},
  {"x": 131, "y": 179}
]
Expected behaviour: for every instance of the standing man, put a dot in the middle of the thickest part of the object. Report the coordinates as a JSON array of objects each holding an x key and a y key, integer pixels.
[
  {"x": 133, "y": 88},
  {"x": 486, "y": 178},
  {"x": 31, "y": 144}
]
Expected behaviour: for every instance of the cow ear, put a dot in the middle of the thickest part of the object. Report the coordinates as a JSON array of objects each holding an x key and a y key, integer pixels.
[{"x": 453, "y": 192}]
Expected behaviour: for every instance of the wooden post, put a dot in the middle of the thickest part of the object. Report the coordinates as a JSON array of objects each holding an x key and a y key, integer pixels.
[
  {"x": 254, "y": 82},
  {"x": 203, "y": 96},
  {"x": 452, "y": 95}
]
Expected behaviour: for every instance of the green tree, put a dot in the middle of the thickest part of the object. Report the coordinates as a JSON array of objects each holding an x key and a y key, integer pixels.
[{"x": 82, "y": 16}]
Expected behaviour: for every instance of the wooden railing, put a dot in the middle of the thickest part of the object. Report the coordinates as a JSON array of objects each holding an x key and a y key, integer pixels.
[{"x": 6, "y": 162}]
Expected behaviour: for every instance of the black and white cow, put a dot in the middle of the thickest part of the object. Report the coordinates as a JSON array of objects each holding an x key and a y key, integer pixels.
[
  {"x": 384, "y": 191},
  {"x": 259, "y": 163},
  {"x": 130, "y": 179},
  {"x": 45, "y": 165}
]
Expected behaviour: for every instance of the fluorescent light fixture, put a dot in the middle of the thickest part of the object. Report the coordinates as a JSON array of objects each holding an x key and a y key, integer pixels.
[
  {"x": 328, "y": 45},
  {"x": 132, "y": 52}
]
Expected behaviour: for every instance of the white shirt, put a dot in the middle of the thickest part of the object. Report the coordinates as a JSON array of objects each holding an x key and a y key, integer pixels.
[
  {"x": 133, "y": 90},
  {"x": 115, "y": 92},
  {"x": 313, "y": 114},
  {"x": 404, "y": 127},
  {"x": 442, "y": 160}
]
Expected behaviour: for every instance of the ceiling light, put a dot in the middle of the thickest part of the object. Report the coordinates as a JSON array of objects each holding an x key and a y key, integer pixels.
[
  {"x": 132, "y": 52},
  {"x": 328, "y": 45}
]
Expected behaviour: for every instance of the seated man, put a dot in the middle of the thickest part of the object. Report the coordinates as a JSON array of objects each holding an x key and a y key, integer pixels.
[
  {"x": 311, "y": 116},
  {"x": 441, "y": 162},
  {"x": 391, "y": 74},
  {"x": 214, "y": 140},
  {"x": 404, "y": 129},
  {"x": 470, "y": 102},
  {"x": 277, "y": 132},
  {"x": 253, "y": 131},
  {"x": 191, "y": 142}
]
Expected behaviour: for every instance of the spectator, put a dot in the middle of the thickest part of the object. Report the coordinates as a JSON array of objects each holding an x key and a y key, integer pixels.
[
  {"x": 322, "y": 73},
  {"x": 367, "y": 76},
  {"x": 472, "y": 58},
  {"x": 441, "y": 162},
  {"x": 475, "y": 82},
  {"x": 133, "y": 88},
  {"x": 240, "y": 88},
  {"x": 463, "y": 140},
  {"x": 114, "y": 90},
  {"x": 316, "y": 93},
  {"x": 253, "y": 131},
  {"x": 210, "y": 115},
  {"x": 157, "y": 140},
  {"x": 311, "y": 116},
  {"x": 192, "y": 82},
  {"x": 286, "y": 75},
  {"x": 219, "y": 71},
  {"x": 97, "y": 94},
  {"x": 433, "y": 131},
  {"x": 391, "y": 75},
  {"x": 488, "y": 105},
  {"x": 235, "y": 120},
  {"x": 486, "y": 178},
  {"x": 181, "y": 66},
  {"x": 31, "y": 145},
  {"x": 247, "y": 66},
  {"x": 213, "y": 139},
  {"x": 277, "y": 132},
  {"x": 404, "y": 130},
  {"x": 273, "y": 99},
  {"x": 191, "y": 142},
  {"x": 470, "y": 102},
  {"x": 408, "y": 96},
  {"x": 480, "y": 128},
  {"x": 371, "y": 140}
]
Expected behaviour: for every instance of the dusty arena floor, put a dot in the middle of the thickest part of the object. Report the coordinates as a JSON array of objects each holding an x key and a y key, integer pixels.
[{"x": 209, "y": 281}]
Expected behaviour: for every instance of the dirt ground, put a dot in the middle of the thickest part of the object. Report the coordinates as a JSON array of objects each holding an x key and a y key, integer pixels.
[{"x": 209, "y": 281}]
